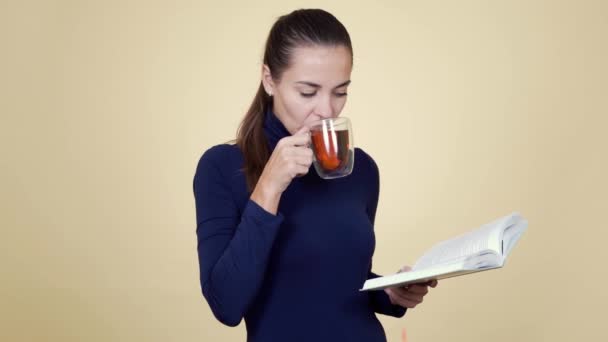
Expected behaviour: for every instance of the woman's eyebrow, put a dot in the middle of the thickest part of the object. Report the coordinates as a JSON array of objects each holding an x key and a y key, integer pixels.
[{"x": 314, "y": 85}]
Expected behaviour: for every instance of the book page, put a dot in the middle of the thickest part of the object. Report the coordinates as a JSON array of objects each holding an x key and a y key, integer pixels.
[
  {"x": 476, "y": 251},
  {"x": 412, "y": 277},
  {"x": 512, "y": 234},
  {"x": 486, "y": 238}
]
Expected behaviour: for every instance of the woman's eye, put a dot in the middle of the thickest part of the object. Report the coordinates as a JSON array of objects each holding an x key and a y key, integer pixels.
[{"x": 313, "y": 94}]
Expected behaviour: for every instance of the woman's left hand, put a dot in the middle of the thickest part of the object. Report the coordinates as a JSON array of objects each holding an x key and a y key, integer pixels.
[{"x": 410, "y": 295}]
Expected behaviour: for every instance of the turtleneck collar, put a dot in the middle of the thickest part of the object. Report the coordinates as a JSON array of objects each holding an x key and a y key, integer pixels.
[{"x": 274, "y": 128}]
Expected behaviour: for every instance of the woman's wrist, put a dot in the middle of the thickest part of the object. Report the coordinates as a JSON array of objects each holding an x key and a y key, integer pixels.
[{"x": 265, "y": 197}]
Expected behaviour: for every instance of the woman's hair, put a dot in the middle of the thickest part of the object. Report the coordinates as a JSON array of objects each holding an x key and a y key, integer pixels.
[{"x": 300, "y": 28}]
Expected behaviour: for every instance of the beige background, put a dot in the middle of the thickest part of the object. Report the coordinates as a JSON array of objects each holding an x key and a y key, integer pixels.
[{"x": 472, "y": 110}]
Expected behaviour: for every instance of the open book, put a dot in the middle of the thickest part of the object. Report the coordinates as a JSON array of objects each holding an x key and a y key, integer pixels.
[{"x": 482, "y": 249}]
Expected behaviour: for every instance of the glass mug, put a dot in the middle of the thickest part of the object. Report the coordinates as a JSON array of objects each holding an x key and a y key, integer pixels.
[{"x": 331, "y": 141}]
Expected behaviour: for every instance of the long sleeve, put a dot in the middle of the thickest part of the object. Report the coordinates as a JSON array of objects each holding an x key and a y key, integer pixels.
[
  {"x": 381, "y": 302},
  {"x": 233, "y": 248},
  {"x": 379, "y": 299}
]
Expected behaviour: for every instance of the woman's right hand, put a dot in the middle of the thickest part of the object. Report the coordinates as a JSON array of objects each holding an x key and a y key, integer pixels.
[{"x": 291, "y": 157}]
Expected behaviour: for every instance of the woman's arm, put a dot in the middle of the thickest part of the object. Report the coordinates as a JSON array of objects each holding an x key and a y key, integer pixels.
[
  {"x": 380, "y": 301},
  {"x": 233, "y": 249}
]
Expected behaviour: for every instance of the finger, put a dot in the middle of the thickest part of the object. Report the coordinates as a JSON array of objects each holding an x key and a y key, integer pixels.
[
  {"x": 294, "y": 152},
  {"x": 433, "y": 283},
  {"x": 303, "y": 160},
  {"x": 303, "y": 130},
  {"x": 301, "y": 155},
  {"x": 405, "y": 269},
  {"x": 303, "y": 134},
  {"x": 406, "y": 295},
  {"x": 409, "y": 294},
  {"x": 295, "y": 170},
  {"x": 298, "y": 139},
  {"x": 302, "y": 170},
  {"x": 418, "y": 289},
  {"x": 302, "y": 151},
  {"x": 399, "y": 293},
  {"x": 404, "y": 302}
]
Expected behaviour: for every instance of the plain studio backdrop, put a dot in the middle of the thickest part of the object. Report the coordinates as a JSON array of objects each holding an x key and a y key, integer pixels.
[{"x": 472, "y": 110}]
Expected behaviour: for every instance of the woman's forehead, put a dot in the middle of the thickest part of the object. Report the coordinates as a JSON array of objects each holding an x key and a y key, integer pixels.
[{"x": 322, "y": 65}]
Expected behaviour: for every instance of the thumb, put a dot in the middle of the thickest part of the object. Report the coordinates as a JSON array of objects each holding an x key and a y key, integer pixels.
[
  {"x": 405, "y": 269},
  {"x": 301, "y": 137},
  {"x": 303, "y": 130}
]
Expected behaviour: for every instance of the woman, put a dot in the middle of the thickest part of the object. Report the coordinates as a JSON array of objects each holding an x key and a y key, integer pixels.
[{"x": 277, "y": 245}]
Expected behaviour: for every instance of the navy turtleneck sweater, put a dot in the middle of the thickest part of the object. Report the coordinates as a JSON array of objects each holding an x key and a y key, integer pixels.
[{"x": 294, "y": 276}]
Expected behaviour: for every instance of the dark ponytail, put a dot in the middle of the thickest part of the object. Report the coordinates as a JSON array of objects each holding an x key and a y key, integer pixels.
[
  {"x": 251, "y": 139},
  {"x": 305, "y": 27}
]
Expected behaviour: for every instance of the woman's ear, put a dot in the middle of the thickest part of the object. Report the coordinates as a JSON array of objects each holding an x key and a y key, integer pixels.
[{"x": 267, "y": 80}]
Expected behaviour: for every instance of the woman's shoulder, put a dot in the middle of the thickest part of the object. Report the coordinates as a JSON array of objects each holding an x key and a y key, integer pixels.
[
  {"x": 220, "y": 173},
  {"x": 221, "y": 151},
  {"x": 221, "y": 157},
  {"x": 364, "y": 158}
]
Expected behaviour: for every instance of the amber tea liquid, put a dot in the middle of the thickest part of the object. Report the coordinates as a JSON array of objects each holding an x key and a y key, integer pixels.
[{"x": 331, "y": 151}]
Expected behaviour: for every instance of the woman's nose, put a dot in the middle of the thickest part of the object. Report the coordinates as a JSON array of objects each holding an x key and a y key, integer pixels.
[{"x": 324, "y": 109}]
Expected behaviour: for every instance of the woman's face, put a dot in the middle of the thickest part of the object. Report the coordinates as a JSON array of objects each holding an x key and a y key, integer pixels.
[{"x": 312, "y": 88}]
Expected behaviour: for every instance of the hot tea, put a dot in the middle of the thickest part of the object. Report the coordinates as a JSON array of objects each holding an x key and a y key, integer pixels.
[{"x": 331, "y": 149}]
